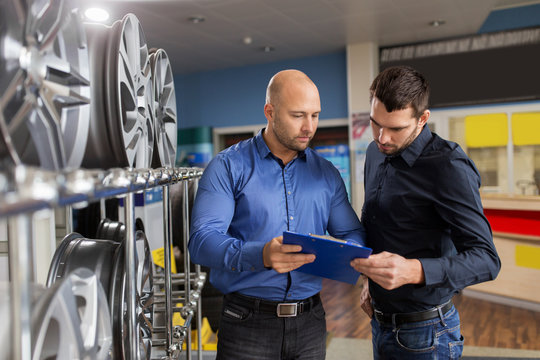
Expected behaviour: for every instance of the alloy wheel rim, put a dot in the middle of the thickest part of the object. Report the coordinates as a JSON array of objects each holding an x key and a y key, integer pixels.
[
  {"x": 165, "y": 121},
  {"x": 45, "y": 100}
]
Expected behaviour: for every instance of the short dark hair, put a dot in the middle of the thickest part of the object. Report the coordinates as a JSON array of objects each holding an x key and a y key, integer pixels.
[{"x": 399, "y": 87}]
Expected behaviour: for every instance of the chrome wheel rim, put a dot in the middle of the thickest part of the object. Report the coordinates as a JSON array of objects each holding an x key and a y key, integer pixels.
[
  {"x": 136, "y": 95},
  {"x": 144, "y": 301},
  {"x": 72, "y": 320},
  {"x": 45, "y": 97},
  {"x": 165, "y": 121},
  {"x": 122, "y": 127}
]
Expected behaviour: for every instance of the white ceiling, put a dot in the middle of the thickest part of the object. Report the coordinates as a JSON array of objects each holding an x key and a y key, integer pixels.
[{"x": 295, "y": 28}]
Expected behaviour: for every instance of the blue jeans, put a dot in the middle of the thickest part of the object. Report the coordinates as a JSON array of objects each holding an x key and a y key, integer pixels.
[
  {"x": 246, "y": 334},
  {"x": 434, "y": 339}
]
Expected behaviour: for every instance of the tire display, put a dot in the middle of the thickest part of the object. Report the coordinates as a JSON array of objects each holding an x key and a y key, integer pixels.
[
  {"x": 76, "y": 251},
  {"x": 111, "y": 230},
  {"x": 105, "y": 258},
  {"x": 165, "y": 125},
  {"x": 80, "y": 95},
  {"x": 44, "y": 87},
  {"x": 145, "y": 301},
  {"x": 122, "y": 115},
  {"x": 71, "y": 320}
]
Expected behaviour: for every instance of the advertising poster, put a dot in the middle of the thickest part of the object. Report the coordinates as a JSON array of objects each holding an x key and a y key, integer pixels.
[
  {"x": 361, "y": 137},
  {"x": 339, "y": 156}
]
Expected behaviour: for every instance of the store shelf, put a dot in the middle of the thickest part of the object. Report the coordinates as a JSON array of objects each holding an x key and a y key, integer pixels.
[{"x": 25, "y": 190}]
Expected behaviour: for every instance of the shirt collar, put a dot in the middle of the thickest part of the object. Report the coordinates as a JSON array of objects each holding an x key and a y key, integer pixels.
[
  {"x": 264, "y": 151},
  {"x": 413, "y": 151}
]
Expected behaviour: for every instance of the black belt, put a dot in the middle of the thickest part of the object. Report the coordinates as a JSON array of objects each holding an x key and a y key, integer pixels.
[
  {"x": 402, "y": 318},
  {"x": 278, "y": 308}
]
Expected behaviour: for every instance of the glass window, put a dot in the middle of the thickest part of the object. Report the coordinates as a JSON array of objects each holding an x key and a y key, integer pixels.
[
  {"x": 491, "y": 161},
  {"x": 527, "y": 169},
  {"x": 526, "y": 140}
]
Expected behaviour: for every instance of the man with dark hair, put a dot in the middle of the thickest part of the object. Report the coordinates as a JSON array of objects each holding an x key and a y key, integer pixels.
[
  {"x": 424, "y": 220},
  {"x": 248, "y": 195}
]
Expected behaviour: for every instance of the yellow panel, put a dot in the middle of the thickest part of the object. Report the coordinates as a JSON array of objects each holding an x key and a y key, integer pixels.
[
  {"x": 486, "y": 130},
  {"x": 528, "y": 256},
  {"x": 177, "y": 319},
  {"x": 526, "y": 128},
  {"x": 158, "y": 255}
]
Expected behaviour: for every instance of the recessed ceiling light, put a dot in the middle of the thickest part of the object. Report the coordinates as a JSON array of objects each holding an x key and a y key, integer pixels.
[
  {"x": 268, "y": 48},
  {"x": 197, "y": 19},
  {"x": 438, "y": 22},
  {"x": 96, "y": 14},
  {"x": 247, "y": 40}
]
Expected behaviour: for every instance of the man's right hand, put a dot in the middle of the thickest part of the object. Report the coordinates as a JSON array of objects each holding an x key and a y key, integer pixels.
[{"x": 284, "y": 257}]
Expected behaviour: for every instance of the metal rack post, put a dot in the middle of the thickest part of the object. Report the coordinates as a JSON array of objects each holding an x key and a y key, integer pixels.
[
  {"x": 20, "y": 237},
  {"x": 129, "y": 264},
  {"x": 167, "y": 263},
  {"x": 199, "y": 303},
  {"x": 187, "y": 270},
  {"x": 69, "y": 219}
]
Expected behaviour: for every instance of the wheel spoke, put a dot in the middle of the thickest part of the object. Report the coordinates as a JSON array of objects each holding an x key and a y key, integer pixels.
[
  {"x": 20, "y": 116},
  {"x": 47, "y": 19}
]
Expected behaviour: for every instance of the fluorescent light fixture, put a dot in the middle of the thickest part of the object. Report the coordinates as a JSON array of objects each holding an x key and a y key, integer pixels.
[
  {"x": 438, "y": 22},
  {"x": 197, "y": 19},
  {"x": 96, "y": 14}
]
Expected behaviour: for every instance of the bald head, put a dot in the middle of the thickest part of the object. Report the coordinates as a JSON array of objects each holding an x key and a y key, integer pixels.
[{"x": 282, "y": 80}]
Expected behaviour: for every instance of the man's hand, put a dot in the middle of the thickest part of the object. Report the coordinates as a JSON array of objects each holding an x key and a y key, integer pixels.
[
  {"x": 365, "y": 297},
  {"x": 390, "y": 270},
  {"x": 284, "y": 257}
]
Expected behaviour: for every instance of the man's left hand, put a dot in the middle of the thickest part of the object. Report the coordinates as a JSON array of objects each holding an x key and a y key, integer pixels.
[{"x": 390, "y": 270}]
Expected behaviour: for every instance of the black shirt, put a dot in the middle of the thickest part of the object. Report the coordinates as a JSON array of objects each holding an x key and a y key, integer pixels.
[{"x": 424, "y": 203}]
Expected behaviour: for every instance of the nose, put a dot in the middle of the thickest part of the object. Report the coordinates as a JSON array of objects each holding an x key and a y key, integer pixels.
[
  {"x": 384, "y": 136},
  {"x": 307, "y": 124}
]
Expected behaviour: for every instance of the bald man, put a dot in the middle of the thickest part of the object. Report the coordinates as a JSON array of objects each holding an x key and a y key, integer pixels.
[{"x": 248, "y": 195}]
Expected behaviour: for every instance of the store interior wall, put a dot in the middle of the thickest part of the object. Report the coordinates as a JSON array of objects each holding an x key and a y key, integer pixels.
[
  {"x": 235, "y": 96},
  {"x": 511, "y": 18}
]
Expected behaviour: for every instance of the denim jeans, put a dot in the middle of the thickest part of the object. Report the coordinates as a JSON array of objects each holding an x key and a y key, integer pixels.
[
  {"x": 431, "y": 339},
  {"x": 249, "y": 335}
]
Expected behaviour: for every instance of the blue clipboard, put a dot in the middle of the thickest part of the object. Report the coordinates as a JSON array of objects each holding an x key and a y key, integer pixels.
[{"x": 333, "y": 256}]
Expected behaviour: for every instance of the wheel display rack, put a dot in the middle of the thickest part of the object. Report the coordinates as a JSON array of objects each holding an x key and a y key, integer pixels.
[
  {"x": 83, "y": 108},
  {"x": 25, "y": 190}
]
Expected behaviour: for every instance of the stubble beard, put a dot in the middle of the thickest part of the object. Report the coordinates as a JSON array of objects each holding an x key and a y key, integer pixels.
[
  {"x": 396, "y": 150},
  {"x": 288, "y": 142}
]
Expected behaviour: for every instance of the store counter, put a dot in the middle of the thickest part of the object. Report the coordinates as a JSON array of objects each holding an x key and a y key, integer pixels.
[{"x": 515, "y": 221}]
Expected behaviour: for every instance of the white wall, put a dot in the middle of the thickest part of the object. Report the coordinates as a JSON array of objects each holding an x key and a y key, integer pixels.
[{"x": 362, "y": 68}]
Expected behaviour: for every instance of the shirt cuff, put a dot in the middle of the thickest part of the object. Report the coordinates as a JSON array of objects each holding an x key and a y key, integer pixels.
[
  {"x": 252, "y": 254},
  {"x": 433, "y": 271}
]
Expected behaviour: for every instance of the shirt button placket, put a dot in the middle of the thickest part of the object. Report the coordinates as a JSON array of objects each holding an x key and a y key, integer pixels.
[{"x": 290, "y": 202}]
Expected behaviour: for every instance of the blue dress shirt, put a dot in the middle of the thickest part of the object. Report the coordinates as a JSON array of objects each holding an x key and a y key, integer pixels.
[
  {"x": 246, "y": 197},
  {"x": 424, "y": 203}
]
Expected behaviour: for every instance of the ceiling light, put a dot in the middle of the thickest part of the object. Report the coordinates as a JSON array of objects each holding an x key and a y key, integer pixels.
[
  {"x": 96, "y": 14},
  {"x": 247, "y": 40},
  {"x": 438, "y": 22},
  {"x": 268, "y": 48},
  {"x": 196, "y": 19}
]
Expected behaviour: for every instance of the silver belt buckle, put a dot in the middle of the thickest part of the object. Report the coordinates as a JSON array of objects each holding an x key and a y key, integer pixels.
[{"x": 287, "y": 309}]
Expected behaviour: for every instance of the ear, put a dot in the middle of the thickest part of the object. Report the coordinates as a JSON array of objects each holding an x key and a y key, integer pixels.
[
  {"x": 424, "y": 118},
  {"x": 269, "y": 112}
]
